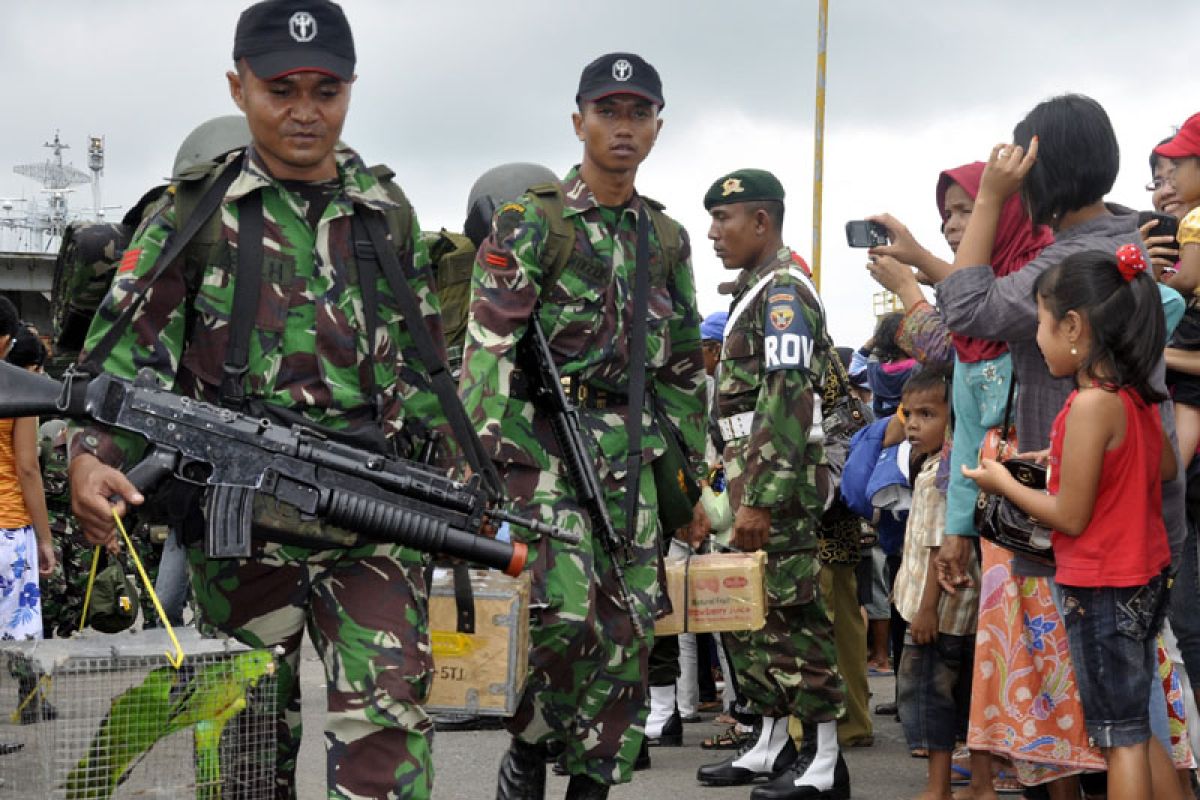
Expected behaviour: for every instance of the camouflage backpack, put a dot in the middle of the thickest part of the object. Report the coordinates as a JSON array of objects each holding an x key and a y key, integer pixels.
[{"x": 86, "y": 262}]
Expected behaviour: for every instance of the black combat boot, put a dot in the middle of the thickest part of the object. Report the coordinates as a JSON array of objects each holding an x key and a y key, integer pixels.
[
  {"x": 522, "y": 772},
  {"x": 767, "y": 753},
  {"x": 643, "y": 757},
  {"x": 582, "y": 787}
]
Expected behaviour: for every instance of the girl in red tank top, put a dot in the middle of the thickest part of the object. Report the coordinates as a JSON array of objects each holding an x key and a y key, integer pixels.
[{"x": 1100, "y": 319}]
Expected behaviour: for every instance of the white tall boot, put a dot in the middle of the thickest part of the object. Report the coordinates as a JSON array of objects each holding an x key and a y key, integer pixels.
[
  {"x": 770, "y": 753},
  {"x": 663, "y": 726},
  {"x": 818, "y": 774}
]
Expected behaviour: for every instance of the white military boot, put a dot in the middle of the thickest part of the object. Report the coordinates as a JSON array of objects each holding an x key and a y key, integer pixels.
[
  {"x": 664, "y": 727},
  {"x": 764, "y": 756},
  {"x": 819, "y": 773}
]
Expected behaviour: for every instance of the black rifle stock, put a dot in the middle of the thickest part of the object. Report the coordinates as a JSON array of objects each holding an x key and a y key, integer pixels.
[
  {"x": 551, "y": 400},
  {"x": 237, "y": 456}
]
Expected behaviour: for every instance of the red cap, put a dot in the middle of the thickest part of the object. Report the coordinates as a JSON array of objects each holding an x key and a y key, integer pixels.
[{"x": 1185, "y": 143}]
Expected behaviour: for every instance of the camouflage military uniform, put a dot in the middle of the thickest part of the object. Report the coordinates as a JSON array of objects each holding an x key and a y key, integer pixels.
[
  {"x": 62, "y": 590},
  {"x": 767, "y": 369},
  {"x": 365, "y": 608},
  {"x": 586, "y": 690}
]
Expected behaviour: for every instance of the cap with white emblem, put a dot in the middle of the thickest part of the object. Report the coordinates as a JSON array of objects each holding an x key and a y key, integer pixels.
[
  {"x": 279, "y": 37},
  {"x": 620, "y": 73}
]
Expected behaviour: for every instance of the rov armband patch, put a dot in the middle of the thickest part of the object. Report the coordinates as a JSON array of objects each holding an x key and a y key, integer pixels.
[{"x": 787, "y": 339}]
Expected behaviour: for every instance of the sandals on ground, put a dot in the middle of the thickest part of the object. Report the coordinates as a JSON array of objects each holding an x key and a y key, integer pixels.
[{"x": 730, "y": 739}]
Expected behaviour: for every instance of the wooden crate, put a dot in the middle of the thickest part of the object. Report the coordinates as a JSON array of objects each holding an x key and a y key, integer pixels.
[
  {"x": 481, "y": 673},
  {"x": 724, "y": 592}
]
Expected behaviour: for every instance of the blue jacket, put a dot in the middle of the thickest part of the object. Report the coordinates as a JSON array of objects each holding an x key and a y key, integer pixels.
[{"x": 860, "y": 482}]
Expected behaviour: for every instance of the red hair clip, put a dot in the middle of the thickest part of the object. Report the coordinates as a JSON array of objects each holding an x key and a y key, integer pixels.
[{"x": 1130, "y": 261}]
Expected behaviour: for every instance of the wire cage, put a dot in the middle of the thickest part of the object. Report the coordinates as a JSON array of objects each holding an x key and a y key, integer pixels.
[{"x": 106, "y": 716}]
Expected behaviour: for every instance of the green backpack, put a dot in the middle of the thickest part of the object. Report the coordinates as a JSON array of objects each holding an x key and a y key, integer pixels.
[{"x": 453, "y": 259}]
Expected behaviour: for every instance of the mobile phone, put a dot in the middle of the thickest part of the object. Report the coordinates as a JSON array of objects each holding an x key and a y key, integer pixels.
[
  {"x": 860, "y": 233},
  {"x": 1167, "y": 225}
]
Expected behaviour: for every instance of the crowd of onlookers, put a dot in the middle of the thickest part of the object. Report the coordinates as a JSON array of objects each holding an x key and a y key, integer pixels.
[{"x": 1063, "y": 333}]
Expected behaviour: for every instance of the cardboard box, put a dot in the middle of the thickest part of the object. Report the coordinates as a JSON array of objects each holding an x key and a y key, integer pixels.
[
  {"x": 724, "y": 592},
  {"x": 480, "y": 673}
]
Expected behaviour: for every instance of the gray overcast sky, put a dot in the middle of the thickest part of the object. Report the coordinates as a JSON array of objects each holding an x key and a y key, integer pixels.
[{"x": 448, "y": 89}]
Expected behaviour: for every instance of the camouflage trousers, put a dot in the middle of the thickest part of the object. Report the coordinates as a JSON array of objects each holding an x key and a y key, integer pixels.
[
  {"x": 586, "y": 690},
  {"x": 366, "y": 614},
  {"x": 789, "y": 666}
]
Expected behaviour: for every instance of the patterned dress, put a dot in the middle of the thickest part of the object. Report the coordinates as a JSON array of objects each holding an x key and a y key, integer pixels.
[{"x": 1025, "y": 702}]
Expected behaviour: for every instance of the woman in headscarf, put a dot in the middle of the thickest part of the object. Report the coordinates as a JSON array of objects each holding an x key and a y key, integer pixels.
[
  {"x": 982, "y": 379},
  {"x": 1063, "y": 187}
]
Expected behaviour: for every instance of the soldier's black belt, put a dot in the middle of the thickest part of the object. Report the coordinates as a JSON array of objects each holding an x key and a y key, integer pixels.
[{"x": 579, "y": 393}]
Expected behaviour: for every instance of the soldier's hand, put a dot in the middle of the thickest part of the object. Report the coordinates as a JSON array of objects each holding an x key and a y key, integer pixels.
[
  {"x": 751, "y": 528},
  {"x": 92, "y": 484},
  {"x": 697, "y": 531},
  {"x": 951, "y": 563}
]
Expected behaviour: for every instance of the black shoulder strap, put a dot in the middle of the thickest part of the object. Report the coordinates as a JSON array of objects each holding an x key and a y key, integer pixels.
[
  {"x": 205, "y": 208},
  {"x": 247, "y": 288},
  {"x": 637, "y": 373},
  {"x": 435, "y": 366}
]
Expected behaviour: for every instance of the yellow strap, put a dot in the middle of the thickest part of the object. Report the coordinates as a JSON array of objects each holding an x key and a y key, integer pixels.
[
  {"x": 38, "y": 688},
  {"x": 174, "y": 659},
  {"x": 87, "y": 597}
]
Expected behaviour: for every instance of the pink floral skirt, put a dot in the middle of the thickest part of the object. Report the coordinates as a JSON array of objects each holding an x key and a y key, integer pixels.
[{"x": 1024, "y": 701}]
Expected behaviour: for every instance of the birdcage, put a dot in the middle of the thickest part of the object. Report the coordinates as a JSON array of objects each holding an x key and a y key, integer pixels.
[{"x": 107, "y": 716}]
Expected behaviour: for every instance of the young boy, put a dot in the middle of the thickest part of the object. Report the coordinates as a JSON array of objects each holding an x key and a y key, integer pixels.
[{"x": 935, "y": 670}]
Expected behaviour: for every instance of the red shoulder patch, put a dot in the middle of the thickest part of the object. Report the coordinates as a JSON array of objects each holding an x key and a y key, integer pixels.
[
  {"x": 498, "y": 261},
  {"x": 129, "y": 260}
]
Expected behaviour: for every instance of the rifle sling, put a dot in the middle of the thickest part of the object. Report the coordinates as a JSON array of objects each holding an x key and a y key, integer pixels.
[
  {"x": 206, "y": 206},
  {"x": 247, "y": 288},
  {"x": 435, "y": 366},
  {"x": 637, "y": 375}
]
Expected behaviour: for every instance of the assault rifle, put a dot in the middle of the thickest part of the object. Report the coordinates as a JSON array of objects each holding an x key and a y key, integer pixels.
[
  {"x": 237, "y": 456},
  {"x": 550, "y": 399}
]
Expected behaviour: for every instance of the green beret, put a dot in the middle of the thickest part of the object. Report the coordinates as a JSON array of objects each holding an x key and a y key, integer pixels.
[{"x": 743, "y": 186}]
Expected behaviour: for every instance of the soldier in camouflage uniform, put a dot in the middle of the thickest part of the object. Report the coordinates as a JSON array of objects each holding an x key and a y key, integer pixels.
[
  {"x": 365, "y": 607},
  {"x": 772, "y": 364},
  {"x": 62, "y": 589},
  {"x": 586, "y": 694}
]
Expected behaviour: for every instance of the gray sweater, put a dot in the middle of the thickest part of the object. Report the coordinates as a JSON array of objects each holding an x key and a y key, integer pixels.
[{"x": 974, "y": 302}]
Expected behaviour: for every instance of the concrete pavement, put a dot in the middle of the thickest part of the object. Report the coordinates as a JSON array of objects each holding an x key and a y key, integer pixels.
[{"x": 465, "y": 762}]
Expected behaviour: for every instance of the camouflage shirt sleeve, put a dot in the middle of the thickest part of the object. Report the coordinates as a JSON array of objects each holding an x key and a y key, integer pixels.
[
  {"x": 504, "y": 292},
  {"x": 154, "y": 338},
  {"x": 778, "y": 460},
  {"x": 680, "y": 383}
]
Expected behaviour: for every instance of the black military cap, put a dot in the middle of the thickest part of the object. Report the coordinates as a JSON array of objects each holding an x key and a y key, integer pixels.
[
  {"x": 743, "y": 186},
  {"x": 620, "y": 73},
  {"x": 279, "y": 37}
]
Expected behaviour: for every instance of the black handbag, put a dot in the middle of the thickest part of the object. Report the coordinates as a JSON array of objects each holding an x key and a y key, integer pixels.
[{"x": 1001, "y": 521}]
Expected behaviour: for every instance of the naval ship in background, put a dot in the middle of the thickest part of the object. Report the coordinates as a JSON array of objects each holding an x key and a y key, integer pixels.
[{"x": 32, "y": 227}]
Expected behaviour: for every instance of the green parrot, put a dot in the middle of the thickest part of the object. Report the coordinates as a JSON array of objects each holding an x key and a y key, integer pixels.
[{"x": 167, "y": 701}]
